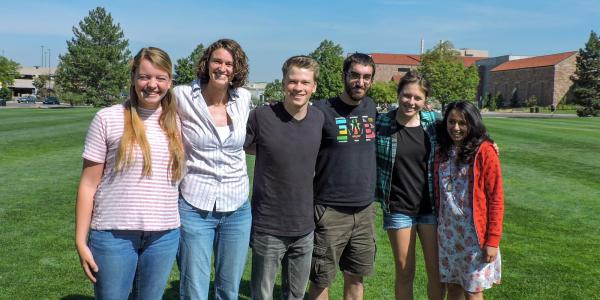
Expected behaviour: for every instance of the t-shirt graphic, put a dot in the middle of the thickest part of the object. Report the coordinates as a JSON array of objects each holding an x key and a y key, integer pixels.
[{"x": 355, "y": 129}]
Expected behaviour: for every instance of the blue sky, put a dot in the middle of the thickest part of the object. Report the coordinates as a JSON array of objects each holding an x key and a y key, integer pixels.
[{"x": 270, "y": 31}]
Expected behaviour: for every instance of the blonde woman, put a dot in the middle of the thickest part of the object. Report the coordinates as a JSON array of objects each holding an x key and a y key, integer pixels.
[{"x": 132, "y": 161}]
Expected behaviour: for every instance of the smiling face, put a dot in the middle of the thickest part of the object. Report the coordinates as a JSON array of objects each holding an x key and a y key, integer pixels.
[
  {"x": 457, "y": 126},
  {"x": 299, "y": 84},
  {"x": 357, "y": 81},
  {"x": 220, "y": 67},
  {"x": 151, "y": 84},
  {"x": 411, "y": 100}
]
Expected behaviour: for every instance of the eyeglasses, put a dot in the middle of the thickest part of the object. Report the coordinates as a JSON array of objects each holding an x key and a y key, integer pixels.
[{"x": 357, "y": 77}]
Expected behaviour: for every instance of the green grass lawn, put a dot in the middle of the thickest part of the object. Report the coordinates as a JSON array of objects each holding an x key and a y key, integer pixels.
[{"x": 550, "y": 248}]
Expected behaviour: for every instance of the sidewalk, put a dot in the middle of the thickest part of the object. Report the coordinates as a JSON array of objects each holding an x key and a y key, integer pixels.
[{"x": 527, "y": 115}]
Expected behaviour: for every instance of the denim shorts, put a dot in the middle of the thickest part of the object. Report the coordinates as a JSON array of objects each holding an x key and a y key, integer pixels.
[{"x": 396, "y": 220}]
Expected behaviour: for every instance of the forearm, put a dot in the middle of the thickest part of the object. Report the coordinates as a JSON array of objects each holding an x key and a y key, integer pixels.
[
  {"x": 83, "y": 217},
  {"x": 90, "y": 178}
]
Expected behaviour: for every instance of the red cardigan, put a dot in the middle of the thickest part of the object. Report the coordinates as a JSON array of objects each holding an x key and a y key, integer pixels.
[{"x": 485, "y": 185}]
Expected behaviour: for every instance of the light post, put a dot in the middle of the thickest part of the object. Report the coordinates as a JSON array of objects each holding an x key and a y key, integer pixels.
[{"x": 42, "y": 65}]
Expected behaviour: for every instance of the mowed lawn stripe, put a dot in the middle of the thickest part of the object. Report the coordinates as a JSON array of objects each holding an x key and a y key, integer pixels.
[
  {"x": 40, "y": 159},
  {"x": 12, "y": 119},
  {"x": 551, "y": 193}
]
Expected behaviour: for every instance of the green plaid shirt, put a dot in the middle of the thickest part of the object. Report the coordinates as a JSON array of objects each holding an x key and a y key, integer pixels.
[{"x": 387, "y": 128}]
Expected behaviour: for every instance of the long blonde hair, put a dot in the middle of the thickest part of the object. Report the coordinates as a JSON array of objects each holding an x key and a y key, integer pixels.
[{"x": 135, "y": 131}]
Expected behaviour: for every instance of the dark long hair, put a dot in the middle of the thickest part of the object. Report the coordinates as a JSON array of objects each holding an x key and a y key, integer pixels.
[{"x": 476, "y": 134}]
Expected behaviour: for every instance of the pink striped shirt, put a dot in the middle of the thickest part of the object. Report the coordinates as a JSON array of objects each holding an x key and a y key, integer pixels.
[{"x": 127, "y": 200}]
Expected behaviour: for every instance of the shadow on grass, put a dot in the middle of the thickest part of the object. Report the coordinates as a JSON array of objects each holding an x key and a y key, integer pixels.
[
  {"x": 172, "y": 291},
  {"x": 76, "y": 297}
]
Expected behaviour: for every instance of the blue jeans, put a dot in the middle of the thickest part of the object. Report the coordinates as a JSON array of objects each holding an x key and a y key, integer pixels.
[
  {"x": 396, "y": 220},
  {"x": 227, "y": 234},
  {"x": 133, "y": 261},
  {"x": 268, "y": 252}
]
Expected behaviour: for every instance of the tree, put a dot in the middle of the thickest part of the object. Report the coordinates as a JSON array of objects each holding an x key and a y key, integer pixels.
[
  {"x": 185, "y": 68},
  {"x": 514, "y": 98},
  {"x": 384, "y": 92},
  {"x": 9, "y": 70},
  {"x": 450, "y": 80},
  {"x": 586, "y": 80},
  {"x": 95, "y": 65},
  {"x": 5, "y": 93},
  {"x": 331, "y": 60},
  {"x": 274, "y": 91},
  {"x": 41, "y": 85}
]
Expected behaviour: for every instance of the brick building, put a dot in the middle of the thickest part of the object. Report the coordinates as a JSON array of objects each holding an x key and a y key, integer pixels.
[
  {"x": 394, "y": 66},
  {"x": 546, "y": 77}
]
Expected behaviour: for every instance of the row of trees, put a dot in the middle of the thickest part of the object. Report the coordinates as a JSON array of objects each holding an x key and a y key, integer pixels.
[
  {"x": 94, "y": 69},
  {"x": 442, "y": 66}
]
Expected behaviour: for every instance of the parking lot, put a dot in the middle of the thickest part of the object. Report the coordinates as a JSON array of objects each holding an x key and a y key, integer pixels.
[{"x": 39, "y": 104}]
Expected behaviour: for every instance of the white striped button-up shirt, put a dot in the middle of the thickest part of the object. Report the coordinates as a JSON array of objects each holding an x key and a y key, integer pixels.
[{"x": 216, "y": 169}]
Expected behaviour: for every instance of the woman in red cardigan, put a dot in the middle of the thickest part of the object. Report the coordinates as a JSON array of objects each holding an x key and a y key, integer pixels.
[{"x": 469, "y": 202}]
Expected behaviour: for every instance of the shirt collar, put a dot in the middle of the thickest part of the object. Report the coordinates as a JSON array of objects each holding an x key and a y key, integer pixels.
[{"x": 197, "y": 88}]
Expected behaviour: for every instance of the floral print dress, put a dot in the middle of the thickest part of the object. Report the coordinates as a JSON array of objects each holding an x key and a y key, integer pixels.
[{"x": 461, "y": 258}]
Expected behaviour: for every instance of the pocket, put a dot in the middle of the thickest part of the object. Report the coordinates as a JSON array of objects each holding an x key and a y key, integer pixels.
[
  {"x": 319, "y": 213},
  {"x": 319, "y": 251},
  {"x": 184, "y": 206}
]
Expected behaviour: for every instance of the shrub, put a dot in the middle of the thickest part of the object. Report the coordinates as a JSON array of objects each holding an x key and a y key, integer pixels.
[
  {"x": 587, "y": 112},
  {"x": 531, "y": 101},
  {"x": 5, "y": 93}
]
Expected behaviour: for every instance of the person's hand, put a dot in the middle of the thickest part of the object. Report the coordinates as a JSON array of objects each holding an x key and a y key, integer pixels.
[
  {"x": 87, "y": 262},
  {"x": 489, "y": 254}
]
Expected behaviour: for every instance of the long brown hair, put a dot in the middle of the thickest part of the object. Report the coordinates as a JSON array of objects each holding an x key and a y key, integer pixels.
[{"x": 135, "y": 131}]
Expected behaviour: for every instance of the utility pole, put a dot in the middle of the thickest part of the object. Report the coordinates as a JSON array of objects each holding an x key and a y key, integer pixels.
[{"x": 49, "y": 78}]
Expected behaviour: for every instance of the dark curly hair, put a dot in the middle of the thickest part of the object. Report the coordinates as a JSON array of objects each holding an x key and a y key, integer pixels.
[
  {"x": 358, "y": 58},
  {"x": 477, "y": 133},
  {"x": 240, "y": 62}
]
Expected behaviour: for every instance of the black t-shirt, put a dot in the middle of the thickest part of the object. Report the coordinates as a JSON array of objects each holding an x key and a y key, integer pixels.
[
  {"x": 345, "y": 173},
  {"x": 286, "y": 152},
  {"x": 409, "y": 191}
]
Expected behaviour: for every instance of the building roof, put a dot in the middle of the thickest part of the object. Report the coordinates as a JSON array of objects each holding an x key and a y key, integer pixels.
[
  {"x": 534, "y": 62},
  {"x": 396, "y": 59},
  {"x": 36, "y": 71},
  {"x": 470, "y": 60},
  {"x": 413, "y": 59}
]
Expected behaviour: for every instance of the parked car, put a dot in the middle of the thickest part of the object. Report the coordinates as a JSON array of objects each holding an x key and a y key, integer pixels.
[
  {"x": 26, "y": 99},
  {"x": 2, "y": 102},
  {"x": 51, "y": 100}
]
